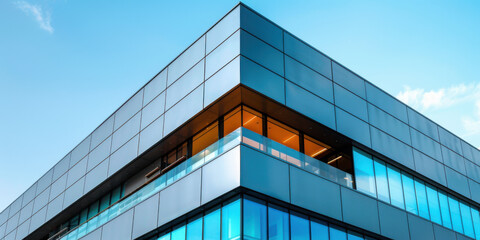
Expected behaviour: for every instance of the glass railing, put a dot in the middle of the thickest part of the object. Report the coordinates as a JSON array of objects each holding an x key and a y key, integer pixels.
[
  {"x": 296, "y": 158},
  {"x": 241, "y": 135}
]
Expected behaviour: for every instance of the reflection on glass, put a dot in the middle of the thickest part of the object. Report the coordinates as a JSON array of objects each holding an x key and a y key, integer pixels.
[
  {"x": 409, "y": 193},
  {"x": 93, "y": 209},
  {"x": 179, "y": 233},
  {"x": 299, "y": 228},
  {"x": 466, "y": 220},
  {"x": 277, "y": 224},
  {"x": 205, "y": 138},
  {"x": 232, "y": 121},
  {"x": 283, "y": 134},
  {"x": 354, "y": 236},
  {"x": 194, "y": 229},
  {"x": 165, "y": 237},
  {"x": 364, "y": 172},
  {"x": 395, "y": 187},
  {"x": 476, "y": 223},
  {"x": 319, "y": 230},
  {"x": 255, "y": 228},
  {"x": 231, "y": 221},
  {"x": 314, "y": 148},
  {"x": 455, "y": 214},
  {"x": 212, "y": 226},
  {"x": 445, "y": 210},
  {"x": 252, "y": 120},
  {"x": 381, "y": 180},
  {"x": 433, "y": 205},
  {"x": 421, "y": 199},
  {"x": 337, "y": 233}
]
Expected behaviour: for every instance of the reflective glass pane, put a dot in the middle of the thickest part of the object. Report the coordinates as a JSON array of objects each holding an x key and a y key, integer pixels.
[
  {"x": 93, "y": 209},
  {"x": 409, "y": 193},
  {"x": 116, "y": 194},
  {"x": 277, "y": 224},
  {"x": 165, "y": 237},
  {"x": 179, "y": 233},
  {"x": 314, "y": 148},
  {"x": 205, "y": 138},
  {"x": 354, "y": 236},
  {"x": 232, "y": 121},
  {"x": 299, "y": 228},
  {"x": 433, "y": 205},
  {"x": 104, "y": 202},
  {"x": 364, "y": 175},
  {"x": 476, "y": 223},
  {"x": 445, "y": 210},
  {"x": 466, "y": 220},
  {"x": 255, "y": 220},
  {"x": 283, "y": 134},
  {"x": 395, "y": 187},
  {"x": 455, "y": 214},
  {"x": 231, "y": 221},
  {"x": 212, "y": 226},
  {"x": 319, "y": 230},
  {"x": 421, "y": 199},
  {"x": 381, "y": 180},
  {"x": 252, "y": 120},
  {"x": 194, "y": 229},
  {"x": 337, "y": 233}
]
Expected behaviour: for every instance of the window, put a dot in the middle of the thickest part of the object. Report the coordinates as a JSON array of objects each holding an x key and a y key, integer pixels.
[
  {"x": 283, "y": 134},
  {"x": 232, "y": 121},
  {"x": 179, "y": 233},
  {"x": 354, "y": 236},
  {"x": 476, "y": 223},
  {"x": 277, "y": 224},
  {"x": 433, "y": 205},
  {"x": 395, "y": 187},
  {"x": 381, "y": 180},
  {"x": 445, "y": 210},
  {"x": 212, "y": 226},
  {"x": 165, "y": 237},
  {"x": 252, "y": 120},
  {"x": 421, "y": 199},
  {"x": 205, "y": 138},
  {"x": 93, "y": 209},
  {"x": 256, "y": 226},
  {"x": 104, "y": 202},
  {"x": 364, "y": 172},
  {"x": 299, "y": 228},
  {"x": 455, "y": 214},
  {"x": 319, "y": 230},
  {"x": 194, "y": 229},
  {"x": 409, "y": 193},
  {"x": 231, "y": 221},
  {"x": 314, "y": 148},
  {"x": 337, "y": 233},
  {"x": 466, "y": 220}
]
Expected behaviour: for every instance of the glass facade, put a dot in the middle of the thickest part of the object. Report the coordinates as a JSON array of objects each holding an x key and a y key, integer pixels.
[
  {"x": 259, "y": 220},
  {"x": 413, "y": 195}
]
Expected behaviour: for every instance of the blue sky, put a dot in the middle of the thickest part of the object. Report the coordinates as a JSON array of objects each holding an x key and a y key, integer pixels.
[{"x": 65, "y": 66}]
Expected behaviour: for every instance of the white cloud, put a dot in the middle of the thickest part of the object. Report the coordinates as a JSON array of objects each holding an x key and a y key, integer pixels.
[
  {"x": 472, "y": 124},
  {"x": 41, "y": 17}
]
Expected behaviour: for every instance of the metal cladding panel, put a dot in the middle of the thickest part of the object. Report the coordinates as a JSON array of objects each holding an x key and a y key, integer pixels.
[
  {"x": 353, "y": 127},
  {"x": 126, "y": 132},
  {"x": 55, "y": 206},
  {"x": 392, "y": 148},
  {"x": 119, "y": 228},
  {"x": 442, "y": 233},
  {"x": 186, "y": 60},
  {"x": 449, "y": 140},
  {"x": 38, "y": 219},
  {"x": 153, "y": 110},
  {"x": 99, "y": 154},
  {"x": 420, "y": 229},
  {"x": 26, "y": 212},
  {"x": 360, "y": 210},
  {"x": 80, "y": 151},
  {"x": 393, "y": 222},
  {"x": 22, "y": 230},
  {"x": 155, "y": 87},
  {"x": 429, "y": 167},
  {"x": 229, "y": 24},
  {"x": 73, "y": 193},
  {"x": 422, "y": 124},
  {"x": 386, "y": 102},
  {"x": 123, "y": 156},
  {"x": 102, "y": 132},
  {"x": 350, "y": 102},
  {"x": 309, "y": 191},
  {"x": 473, "y": 171},
  {"x": 185, "y": 84},
  {"x": 96, "y": 176},
  {"x": 145, "y": 216},
  {"x": 222, "y": 55},
  {"x": 426, "y": 145},
  {"x": 261, "y": 53},
  {"x": 221, "y": 176},
  {"x": 76, "y": 172},
  {"x": 457, "y": 182},
  {"x": 474, "y": 190},
  {"x": 45, "y": 181},
  {"x": 306, "y": 78},
  {"x": 41, "y": 200},
  {"x": 261, "y": 28},
  {"x": 95, "y": 235},
  {"x": 389, "y": 124},
  {"x": 151, "y": 135},
  {"x": 59, "y": 170},
  {"x": 180, "y": 197},
  {"x": 223, "y": 81},
  {"x": 348, "y": 80},
  {"x": 264, "y": 174},
  {"x": 58, "y": 186},
  {"x": 128, "y": 110},
  {"x": 454, "y": 160}
]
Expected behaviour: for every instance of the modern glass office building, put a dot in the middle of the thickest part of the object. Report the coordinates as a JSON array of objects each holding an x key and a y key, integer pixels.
[{"x": 251, "y": 133}]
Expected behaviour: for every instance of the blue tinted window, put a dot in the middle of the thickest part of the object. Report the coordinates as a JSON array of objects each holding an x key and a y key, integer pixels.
[
  {"x": 455, "y": 214},
  {"x": 409, "y": 193},
  {"x": 231, "y": 221},
  {"x": 395, "y": 187},
  {"x": 381, "y": 180},
  {"x": 179, "y": 233},
  {"x": 299, "y": 228},
  {"x": 476, "y": 223},
  {"x": 255, "y": 220},
  {"x": 354, "y": 236},
  {"x": 466, "y": 220},
  {"x": 433, "y": 205},
  {"x": 212, "y": 226},
  {"x": 165, "y": 237},
  {"x": 364, "y": 175},
  {"x": 319, "y": 230},
  {"x": 337, "y": 233},
  {"x": 277, "y": 224},
  {"x": 445, "y": 210},
  {"x": 194, "y": 230},
  {"x": 421, "y": 199}
]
